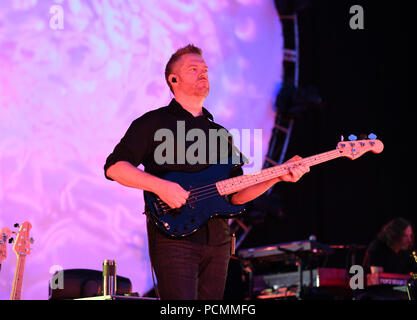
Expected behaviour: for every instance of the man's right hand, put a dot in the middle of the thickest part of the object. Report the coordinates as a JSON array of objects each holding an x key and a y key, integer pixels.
[
  {"x": 172, "y": 194},
  {"x": 128, "y": 175}
]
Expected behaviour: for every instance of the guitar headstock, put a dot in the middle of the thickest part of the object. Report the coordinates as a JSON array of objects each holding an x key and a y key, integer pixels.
[
  {"x": 22, "y": 243},
  {"x": 353, "y": 148},
  {"x": 5, "y": 234}
]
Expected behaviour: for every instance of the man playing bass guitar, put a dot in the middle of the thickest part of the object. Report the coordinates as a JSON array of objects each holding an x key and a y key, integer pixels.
[{"x": 194, "y": 264}]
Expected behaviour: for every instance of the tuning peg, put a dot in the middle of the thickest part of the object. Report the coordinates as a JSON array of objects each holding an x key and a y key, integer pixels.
[
  {"x": 372, "y": 136},
  {"x": 352, "y": 137},
  {"x": 11, "y": 240},
  {"x": 16, "y": 225},
  {"x": 31, "y": 240},
  {"x": 342, "y": 138}
]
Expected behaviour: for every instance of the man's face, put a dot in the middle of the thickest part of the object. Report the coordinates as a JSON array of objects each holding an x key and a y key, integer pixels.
[
  {"x": 406, "y": 242},
  {"x": 191, "y": 74}
]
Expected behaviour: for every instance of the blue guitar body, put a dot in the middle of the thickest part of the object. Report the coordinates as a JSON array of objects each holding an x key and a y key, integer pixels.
[{"x": 203, "y": 203}]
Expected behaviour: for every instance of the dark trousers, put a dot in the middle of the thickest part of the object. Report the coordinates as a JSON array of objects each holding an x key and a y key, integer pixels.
[{"x": 187, "y": 270}]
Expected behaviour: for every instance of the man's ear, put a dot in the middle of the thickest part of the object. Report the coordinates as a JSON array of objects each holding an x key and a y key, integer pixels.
[{"x": 173, "y": 78}]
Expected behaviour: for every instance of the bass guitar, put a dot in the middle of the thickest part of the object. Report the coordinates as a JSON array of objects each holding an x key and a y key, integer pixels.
[
  {"x": 208, "y": 188},
  {"x": 4, "y": 236},
  {"x": 22, "y": 249}
]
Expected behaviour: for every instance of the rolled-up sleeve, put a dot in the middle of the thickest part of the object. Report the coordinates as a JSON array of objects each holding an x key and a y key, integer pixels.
[{"x": 134, "y": 146}]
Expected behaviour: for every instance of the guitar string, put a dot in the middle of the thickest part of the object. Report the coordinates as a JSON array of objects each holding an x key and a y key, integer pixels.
[
  {"x": 208, "y": 195},
  {"x": 193, "y": 195},
  {"x": 209, "y": 189},
  {"x": 306, "y": 160},
  {"x": 190, "y": 200},
  {"x": 209, "y": 185},
  {"x": 210, "y": 192},
  {"x": 213, "y": 185}
]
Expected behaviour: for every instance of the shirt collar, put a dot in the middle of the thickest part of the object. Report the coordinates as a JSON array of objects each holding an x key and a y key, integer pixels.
[{"x": 177, "y": 108}]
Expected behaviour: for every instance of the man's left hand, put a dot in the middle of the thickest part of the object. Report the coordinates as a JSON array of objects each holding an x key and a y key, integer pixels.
[{"x": 296, "y": 171}]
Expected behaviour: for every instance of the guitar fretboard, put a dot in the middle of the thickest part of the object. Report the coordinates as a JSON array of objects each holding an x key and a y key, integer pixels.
[
  {"x": 18, "y": 278},
  {"x": 236, "y": 184}
]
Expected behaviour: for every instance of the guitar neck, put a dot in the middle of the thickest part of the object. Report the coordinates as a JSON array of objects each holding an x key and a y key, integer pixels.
[
  {"x": 236, "y": 184},
  {"x": 18, "y": 278}
]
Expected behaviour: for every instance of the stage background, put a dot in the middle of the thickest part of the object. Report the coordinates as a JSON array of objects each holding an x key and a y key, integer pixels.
[
  {"x": 68, "y": 95},
  {"x": 363, "y": 79}
]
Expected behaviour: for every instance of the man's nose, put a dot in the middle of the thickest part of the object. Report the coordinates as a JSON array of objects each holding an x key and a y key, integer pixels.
[{"x": 203, "y": 75}]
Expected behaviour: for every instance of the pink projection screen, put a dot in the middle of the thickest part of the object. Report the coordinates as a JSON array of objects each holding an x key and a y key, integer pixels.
[{"x": 73, "y": 75}]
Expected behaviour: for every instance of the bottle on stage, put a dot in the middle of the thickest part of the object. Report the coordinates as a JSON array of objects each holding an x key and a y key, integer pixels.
[{"x": 109, "y": 277}]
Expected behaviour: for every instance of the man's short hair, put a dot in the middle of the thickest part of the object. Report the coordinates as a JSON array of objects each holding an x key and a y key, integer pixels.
[{"x": 176, "y": 56}]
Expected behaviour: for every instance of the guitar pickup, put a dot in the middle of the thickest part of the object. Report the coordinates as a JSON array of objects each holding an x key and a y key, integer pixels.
[{"x": 191, "y": 201}]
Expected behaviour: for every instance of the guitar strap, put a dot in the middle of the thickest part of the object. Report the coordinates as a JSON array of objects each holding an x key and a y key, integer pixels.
[{"x": 242, "y": 157}]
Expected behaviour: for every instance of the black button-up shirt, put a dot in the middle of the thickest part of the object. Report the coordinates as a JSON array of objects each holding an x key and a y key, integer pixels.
[{"x": 138, "y": 146}]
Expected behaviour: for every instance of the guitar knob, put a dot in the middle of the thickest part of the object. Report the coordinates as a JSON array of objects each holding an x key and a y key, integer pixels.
[
  {"x": 372, "y": 136},
  {"x": 352, "y": 137}
]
